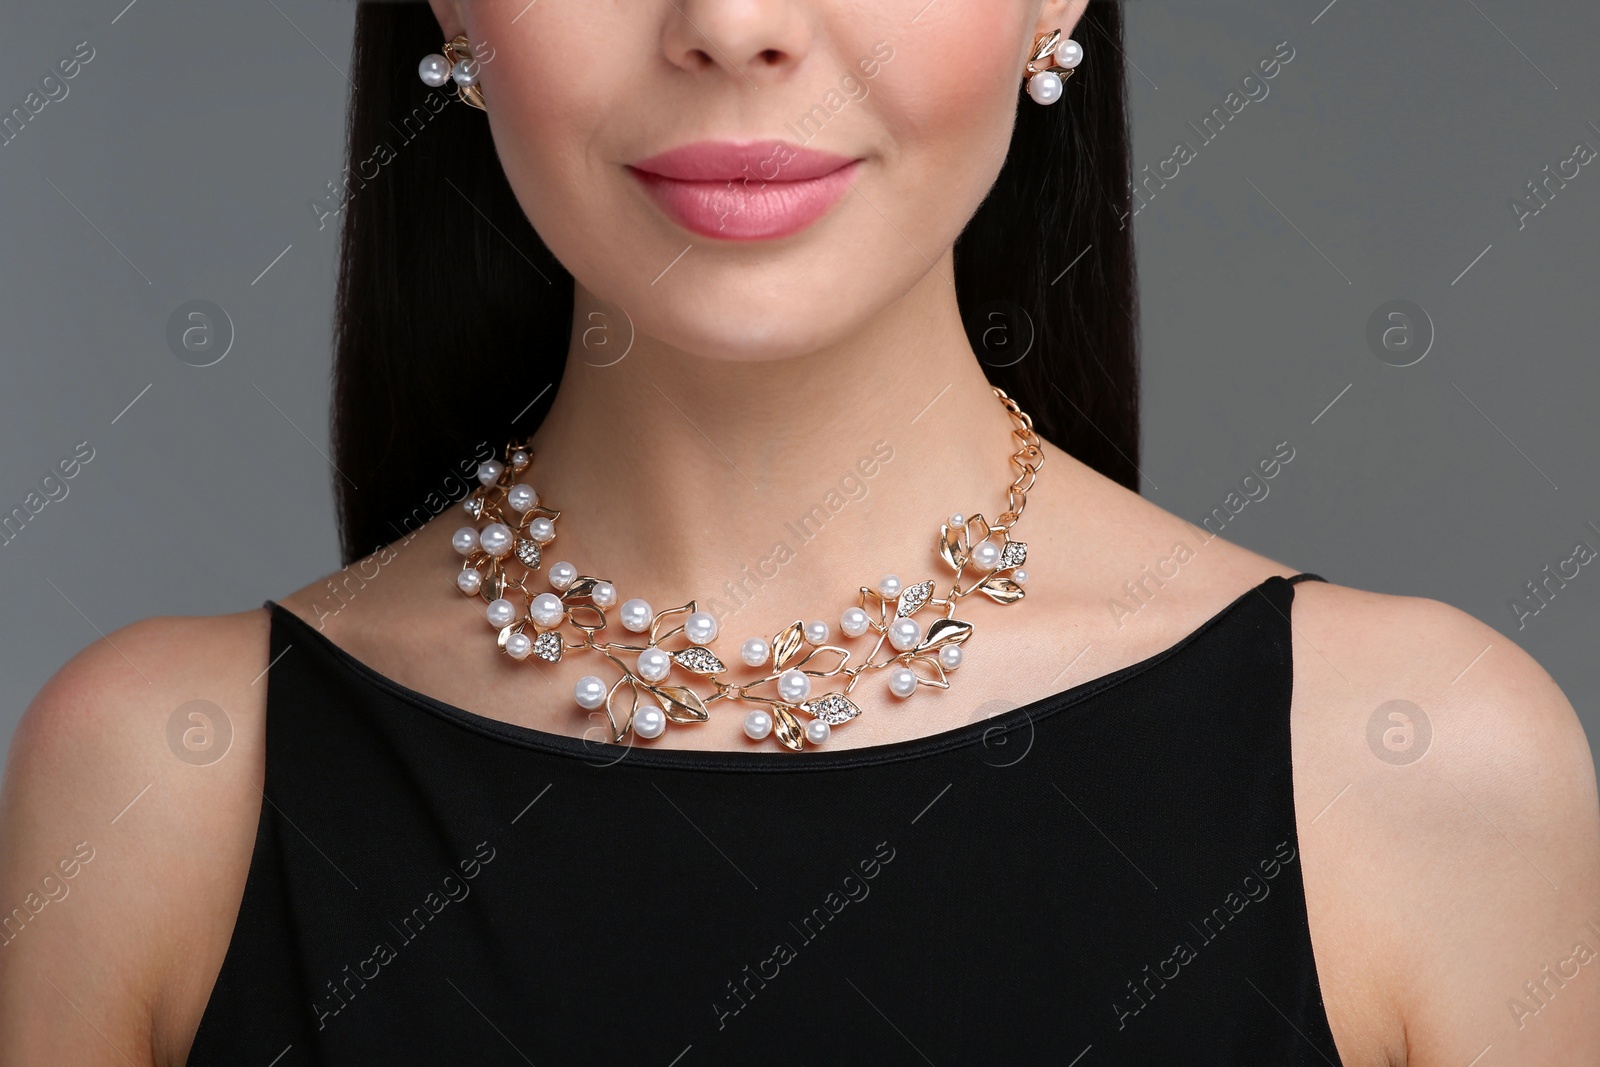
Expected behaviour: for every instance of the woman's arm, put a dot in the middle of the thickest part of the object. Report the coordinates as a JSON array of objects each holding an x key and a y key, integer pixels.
[{"x": 122, "y": 861}]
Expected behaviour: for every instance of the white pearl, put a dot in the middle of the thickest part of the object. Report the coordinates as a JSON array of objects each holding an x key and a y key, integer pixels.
[
  {"x": 501, "y": 613},
  {"x": 816, "y": 631},
  {"x": 794, "y": 686},
  {"x": 519, "y": 459},
  {"x": 542, "y": 530},
  {"x": 649, "y": 721},
  {"x": 889, "y": 585},
  {"x": 1019, "y": 576},
  {"x": 904, "y": 634},
  {"x": 604, "y": 594},
  {"x": 562, "y": 575},
  {"x": 590, "y": 692},
  {"x": 902, "y": 681},
  {"x": 496, "y": 539},
  {"x": 755, "y": 652},
  {"x": 1069, "y": 53},
  {"x": 957, "y": 521},
  {"x": 546, "y": 610},
  {"x": 700, "y": 627},
  {"x": 465, "y": 72},
  {"x": 854, "y": 622},
  {"x": 757, "y": 724},
  {"x": 1045, "y": 87},
  {"x": 636, "y": 615},
  {"x": 950, "y": 657},
  {"x": 518, "y": 646},
  {"x": 654, "y": 664},
  {"x": 817, "y": 731},
  {"x": 521, "y": 497},
  {"x": 465, "y": 540},
  {"x": 489, "y": 471},
  {"x": 434, "y": 70},
  {"x": 986, "y": 554},
  {"x": 469, "y": 582}
]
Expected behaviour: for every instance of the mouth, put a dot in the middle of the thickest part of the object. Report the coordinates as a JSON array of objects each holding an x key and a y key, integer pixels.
[{"x": 751, "y": 191}]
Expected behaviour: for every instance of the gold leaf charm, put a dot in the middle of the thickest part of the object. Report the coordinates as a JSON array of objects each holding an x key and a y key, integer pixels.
[
  {"x": 1001, "y": 589},
  {"x": 681, "y": 703},
  {"x": 933, "y": 675},
  {"x": 619, "y": 731},
  {"x": 587, "y": 617},
  {"x": 950, "y": 547},
  {"x": 787, "y": 728},
  {"x": 786, "y": 644},
  {"x": 698, "y": 659},
  {"x": 945, "y": 632},
  {"x": 815, "y": 672},
  {"x": 977, "y": 530},
  {"x": 582, "y": 588},
  {"x": 663, "y": 616}
]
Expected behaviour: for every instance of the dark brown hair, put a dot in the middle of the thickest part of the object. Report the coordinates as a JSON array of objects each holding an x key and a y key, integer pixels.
[{"x": 443, "y": 284}]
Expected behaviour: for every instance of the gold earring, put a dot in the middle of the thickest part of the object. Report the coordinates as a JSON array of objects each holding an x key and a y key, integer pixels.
[
  {"x": 1053, "y": 60},
  {"x": 458, "y": 65}
]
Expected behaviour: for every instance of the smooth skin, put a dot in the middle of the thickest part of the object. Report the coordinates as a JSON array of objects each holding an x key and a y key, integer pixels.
[{"x": 758, "y": 376}]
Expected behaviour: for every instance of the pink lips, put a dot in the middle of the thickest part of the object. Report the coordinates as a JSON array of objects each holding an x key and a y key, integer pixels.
[{"x": 745, "y": 192}]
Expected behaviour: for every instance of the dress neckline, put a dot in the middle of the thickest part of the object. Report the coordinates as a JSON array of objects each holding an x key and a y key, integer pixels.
[{"x": 604, "y": 753}]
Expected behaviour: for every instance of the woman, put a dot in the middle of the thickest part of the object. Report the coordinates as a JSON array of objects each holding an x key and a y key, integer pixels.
[{"x": 738, "y": 280}]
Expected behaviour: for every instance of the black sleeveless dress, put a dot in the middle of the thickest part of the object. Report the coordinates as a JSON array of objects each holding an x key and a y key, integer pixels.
[{"x": 1109, "y": 875}]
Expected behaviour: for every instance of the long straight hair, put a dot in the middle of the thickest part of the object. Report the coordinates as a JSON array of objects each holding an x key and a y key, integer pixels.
[{"x": 442, "y": 280}]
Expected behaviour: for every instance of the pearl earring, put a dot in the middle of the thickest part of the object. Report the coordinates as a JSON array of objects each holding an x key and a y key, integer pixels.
[
  {"x": 1052, "y": 62},
  {"x": 458, "y": 65}
]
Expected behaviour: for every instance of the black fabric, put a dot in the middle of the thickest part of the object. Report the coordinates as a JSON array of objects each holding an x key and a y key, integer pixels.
[{"x": 1109, "y": 875}]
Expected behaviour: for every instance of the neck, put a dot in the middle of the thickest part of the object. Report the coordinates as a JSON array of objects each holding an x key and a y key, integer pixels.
[{"x": 773, "y": 489}]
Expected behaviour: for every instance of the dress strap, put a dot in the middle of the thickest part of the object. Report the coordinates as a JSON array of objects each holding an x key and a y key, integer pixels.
[{"x": 1306, "y": 576}]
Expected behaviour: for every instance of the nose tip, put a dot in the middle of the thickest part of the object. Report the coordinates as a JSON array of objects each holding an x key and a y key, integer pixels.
[{"x": 757, "y": 40}]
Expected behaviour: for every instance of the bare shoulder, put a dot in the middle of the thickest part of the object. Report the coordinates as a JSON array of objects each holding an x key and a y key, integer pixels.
[
  {"x": 1446, "y": 804},
  {"x": 127, "y": 820}
]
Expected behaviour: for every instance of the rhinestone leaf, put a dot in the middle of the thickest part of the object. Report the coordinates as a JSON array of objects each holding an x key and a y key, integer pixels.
[
  {"x": 547, "y": 646},
  {"x": 914, "y": 597},
  {"x": 699, "y": 659},
  {"x": 833, "y": 709},
  {"x": 528, "y": 553},
  {"x": 1015, "y": 554}
]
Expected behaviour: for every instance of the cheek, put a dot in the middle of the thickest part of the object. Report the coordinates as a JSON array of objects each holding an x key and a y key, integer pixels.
[
  {"x": 548, "y": 103},
  {"x": 948, "y": 101}
]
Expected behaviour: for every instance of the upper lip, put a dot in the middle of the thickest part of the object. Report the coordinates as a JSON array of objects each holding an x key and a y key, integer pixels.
[{"x": 716, "y": 161}]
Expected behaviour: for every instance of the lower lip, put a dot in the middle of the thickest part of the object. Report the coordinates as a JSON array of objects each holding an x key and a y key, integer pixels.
[{"x": 736, "y": 210}]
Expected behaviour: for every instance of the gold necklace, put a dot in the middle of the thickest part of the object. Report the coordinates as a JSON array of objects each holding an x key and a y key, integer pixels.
[{"x": 503, "y": 553}]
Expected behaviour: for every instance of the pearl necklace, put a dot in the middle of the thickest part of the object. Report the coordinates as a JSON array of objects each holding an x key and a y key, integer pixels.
[{"x": 517, "y": 529}]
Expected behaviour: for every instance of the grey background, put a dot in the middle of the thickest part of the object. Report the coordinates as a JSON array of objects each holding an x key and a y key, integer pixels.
[{"x": 1380, "y": 166}]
